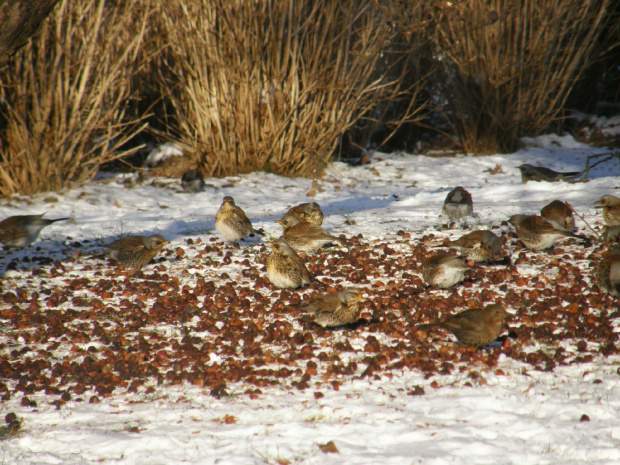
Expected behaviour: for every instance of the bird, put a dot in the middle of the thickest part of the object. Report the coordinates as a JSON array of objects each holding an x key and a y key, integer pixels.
[
  {"x": 134, "y": 251},
  {"x": 611, "y": 234},
  {"x": 309, "y": 212},
  {"x": 560, "y": 215},
  {"x": 336, "y": 308},
  {"x": 540, "y": 173},
  {"x": 458, "y": 204},
  {"x": 537, "y": 233},
  {"x": 231, "y": 221},
  {"x": 443, "y": 270},
  {"x": 608, "y": 272},
  {"x": 22, "y": 230},
  {"x": 476, "y": 327},
  {"x": 304, "y": 237},
  {"x": 192, "y": 181},
  {"x": 284, "y": 267},
  {"x": 611, "y": 209},
  {"x": 478, "y": 246}
]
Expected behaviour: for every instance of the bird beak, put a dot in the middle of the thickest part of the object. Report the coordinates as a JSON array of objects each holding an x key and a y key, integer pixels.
[
  {"x": 278, "y": 221},
  {"x": 166, "y": 242},
  {"x": 598, "y": 204}
]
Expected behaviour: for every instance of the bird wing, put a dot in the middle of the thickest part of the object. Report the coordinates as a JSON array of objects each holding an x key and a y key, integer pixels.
[{"x": 134, "y": 243}]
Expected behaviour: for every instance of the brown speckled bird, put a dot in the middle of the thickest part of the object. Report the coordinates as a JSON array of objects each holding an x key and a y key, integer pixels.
[
  {"x": 309, "y": 212},
  {"x": 22, "y": 230},
  {"x": 540, "y": 173},
  {"x": 611, "y": 209},
  {"x": 537, "y": 233},
  {"x": 231, "y": 221},
  {"x": 135, "y": 251},
  {"x": 443, "y": 270},
  {"x": 560, "y": 215},
  {"x": 458, "y": 204},
  {"x": 335, "y": 309},
  {"x": 476, "y": 327},
  {"x": 478, "y": 246},
  {"x": 611, "y": 234},
  {"x": 284, "y": 267},
  {"x": 608, "y": 272},
  {"x": 304, "y": 237}
]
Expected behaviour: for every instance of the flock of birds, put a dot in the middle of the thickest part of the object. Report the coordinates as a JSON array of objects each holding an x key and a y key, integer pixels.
[{"x": 302, "y": 233}]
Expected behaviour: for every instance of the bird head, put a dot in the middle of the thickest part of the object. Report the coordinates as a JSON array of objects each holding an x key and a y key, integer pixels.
[{"x": 156, "y": 240}]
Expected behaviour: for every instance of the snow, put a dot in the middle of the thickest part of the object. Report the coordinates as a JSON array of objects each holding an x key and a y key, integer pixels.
[{"x": 510, "y": 414}]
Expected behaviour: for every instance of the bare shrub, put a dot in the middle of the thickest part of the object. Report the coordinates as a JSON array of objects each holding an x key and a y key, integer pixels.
[
  {"x": 272, "y": 85},
  {"x": 510, "y": 64},
  {"x": 63, "y": 98}
]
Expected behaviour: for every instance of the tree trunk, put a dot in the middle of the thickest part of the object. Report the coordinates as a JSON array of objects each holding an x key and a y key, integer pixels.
[{"x": 19, "y": 19}]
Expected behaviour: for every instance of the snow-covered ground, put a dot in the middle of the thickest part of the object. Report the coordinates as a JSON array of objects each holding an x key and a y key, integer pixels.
[{"x": 508, "y": 404}]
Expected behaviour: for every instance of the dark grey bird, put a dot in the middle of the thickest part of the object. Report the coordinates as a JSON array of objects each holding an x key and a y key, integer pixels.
[
  {"x": 336, "y": 308},
  {"x": 22, "y": 230},
  {"x": 476, "y": 327},
  {"x": 458, "y": 204},
  {"x": 478, "y": 246},
  {"x": 192, "y": 181},
  {"x": 443, "y": 270},
  {"x": 611, "y": 209},
  {"x": 560, "y": 215},
  {"x": 608, "y": 272},
  {"x": 540, "y": 173}
]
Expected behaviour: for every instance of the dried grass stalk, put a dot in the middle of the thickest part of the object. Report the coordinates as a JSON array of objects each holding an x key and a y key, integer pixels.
[
  {"x": 273, "y": 84},
  {"x": 510, "y": 64},
  {"x": 63, "y": 99}
]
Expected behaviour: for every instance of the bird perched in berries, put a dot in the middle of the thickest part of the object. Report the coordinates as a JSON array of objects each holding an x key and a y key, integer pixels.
[
  {"x": 309, "y": 212},
  {"x": 22, "y": 230},
  {"x": 537, "y": 233},
  {"x": 478, "y": 246},
  {"x": 192, "y": 181},
  {"x": 284, "y": 267},
  {"x": 135, "y": 251},
  {"x": 304, "y": 237},
  {"x": 540, "y": 173},
  {"x": 611, "y": 234},
  {"x": 458, "y": 204},
  {"x": 443, "y": 270},
  {"x": 476, "y": 327},
  {"x": 608, "y": 272},
  {"x": 336, "y": 308},
  {"x": 611, "y": 209},
  {"x": 231, "y": 221},
  {"x": 560, "y": 215}
]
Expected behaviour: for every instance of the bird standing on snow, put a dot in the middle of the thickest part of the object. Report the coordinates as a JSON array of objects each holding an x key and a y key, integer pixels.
[
  {"x": 335, "y": 309},
  {"x": 611, "y": 209},
  {"x": 458, "y": 204},
  {"x": 560, "y": 215},
  {"x": 537, "y": 233},
  {"x": 304, "y": 237},
  {"x": 135, "y": 251},
  {"x": 476, "y": 327},
  {"x": 478, "y": 246},
  {"x": 192, "y": 181},
  {"x": 284, "y": 267},
  {"x": 22, "y": 230},
  {"x": 540, "y": 173},
  {"x": 309, "y": 212},
  {"x": 443, "y": 270},
  {"x": 608, "y": 272},
  {"x": 231, "y": 221}
]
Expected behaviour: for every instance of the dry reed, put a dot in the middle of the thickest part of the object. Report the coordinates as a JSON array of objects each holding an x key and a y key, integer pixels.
[{"x": 63, "y": 98}]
